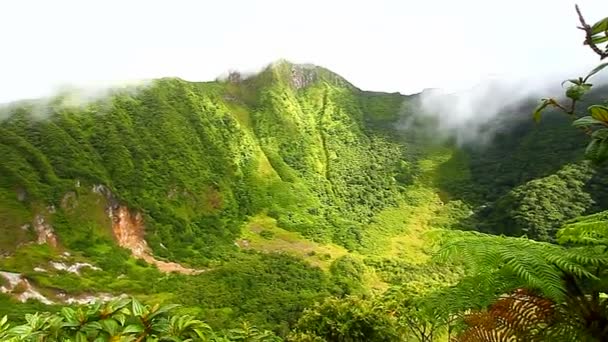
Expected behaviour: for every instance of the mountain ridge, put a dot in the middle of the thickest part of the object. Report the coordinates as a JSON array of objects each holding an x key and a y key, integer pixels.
[{"x": 286, "y": 187}]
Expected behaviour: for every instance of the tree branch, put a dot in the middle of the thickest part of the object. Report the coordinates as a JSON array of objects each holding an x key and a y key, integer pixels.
[{"x": 588, "y": 35}]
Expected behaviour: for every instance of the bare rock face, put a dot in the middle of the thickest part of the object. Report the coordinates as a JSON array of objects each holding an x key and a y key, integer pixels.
[
  {"x": 128, "y": 229},
  {"x": 104, "y": 191},
  {"x": 44, "y": 231},
  {"x": 74, "y": 268},
  {"x": 302, "y": 76},
  {"x": 234, "y": 77},
  {"x": 92, "y": 298},
  {"x": 21, "y": 289},
  {"x": 69, "y": 200}
]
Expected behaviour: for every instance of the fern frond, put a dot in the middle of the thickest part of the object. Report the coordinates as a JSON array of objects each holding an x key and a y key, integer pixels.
[
  {"x": 586, "y": 230},
  {"x": 519, "y": 316},
  {"x": 537, "y": 265}
]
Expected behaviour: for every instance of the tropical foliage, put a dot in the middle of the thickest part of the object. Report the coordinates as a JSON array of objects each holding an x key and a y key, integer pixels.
[
  {"x": 310, "y": 210},
  {"x": 121, "y": 320}
]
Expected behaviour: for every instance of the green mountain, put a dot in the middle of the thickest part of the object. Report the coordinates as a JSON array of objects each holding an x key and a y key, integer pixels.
[{"x": 251, "y": 198}]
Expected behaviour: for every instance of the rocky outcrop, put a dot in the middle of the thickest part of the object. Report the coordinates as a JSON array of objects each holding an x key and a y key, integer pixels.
[
  {"x": 234, "y": 77},
  {"x": 21, "y": 289},
  {"x": 74, "y": 268},
  {"x": 107, "y": 193},
  {"x": 302, "y": 76},
  {"x": 69, "y": 200},
  {"x": 128, "y": 230},
  {"x": 44, "y": 231},
  {"x": 89, "y": 298}
]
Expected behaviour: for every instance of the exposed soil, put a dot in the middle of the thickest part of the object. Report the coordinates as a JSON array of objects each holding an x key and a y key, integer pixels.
[{"x": 128, "y": 229}]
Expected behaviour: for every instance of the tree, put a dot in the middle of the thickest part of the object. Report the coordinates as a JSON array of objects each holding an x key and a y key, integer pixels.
[
  {"x": 349, "y": 319},
  {"x": 418, "y": 315},
  {"x": 571, "y": 277},
  {"x": 538, "y": 208}
]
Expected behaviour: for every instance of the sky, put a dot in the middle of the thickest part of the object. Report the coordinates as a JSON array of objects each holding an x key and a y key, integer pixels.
[{"x": 381, "y": 45}]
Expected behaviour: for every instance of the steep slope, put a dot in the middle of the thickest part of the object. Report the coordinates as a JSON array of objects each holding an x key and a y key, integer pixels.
[
  {"x": 262, "y": 194},
  {"x": 188, "y": 166},
  {"x": 197, "y": 158}
]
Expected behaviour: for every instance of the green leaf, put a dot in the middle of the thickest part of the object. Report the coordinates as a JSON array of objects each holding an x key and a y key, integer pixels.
[
  {"x": 602, "y": 153},
  {"x": 599, "y": 112},
  {"x": 69, "y": 314},
  {"x": 110, "y": 326},
  {"x": 202, "y": 334},
  {"x": 133, "y": 328},
  {"x": 592, "y": 149},
  {"x": 538, "y": 110},
  {"x": 597, "y": 150},
  {"x": 586, "y": 121},
  {"x": 599, "y": 39},
  {"x": 81, "y": 337},
  {"x": 577, "y": 81},
  {"x": 600, "y": 26},
  {"x": 600, "y": 134},
  {"x": 71, "y": 324},
  {"x": 92, "y": 326},
  {"x": 576, "y": 92},
  {"x": 116, "y": 305},
  {"x": 20, "y": 330},
  {"x": 137, "y": 308},
  {"x": 596, "y": 70},
  {"x": 163, "y": 309}
]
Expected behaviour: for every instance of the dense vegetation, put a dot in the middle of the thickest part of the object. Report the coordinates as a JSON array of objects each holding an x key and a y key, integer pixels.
[
  {"x": 227, "y": 149},
  {"x": 308, "y": 211},
  {"x": 284, "y": 153}
]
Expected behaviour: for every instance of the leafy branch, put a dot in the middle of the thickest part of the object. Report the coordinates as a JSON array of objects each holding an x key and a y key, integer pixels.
[
  {"x": 594, "y": 125},
  {"x": 593, "y": 34}
]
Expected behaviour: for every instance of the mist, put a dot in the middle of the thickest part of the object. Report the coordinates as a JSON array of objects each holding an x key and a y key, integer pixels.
[
  {"x": 72, "y": 96},
  {"x": 474, "y": 115}
]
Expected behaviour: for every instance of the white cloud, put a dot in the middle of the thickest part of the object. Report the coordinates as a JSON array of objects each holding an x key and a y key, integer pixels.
[{"x": 378, "y": 45}]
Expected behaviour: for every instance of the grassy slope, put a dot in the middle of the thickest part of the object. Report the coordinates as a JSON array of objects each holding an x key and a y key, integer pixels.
[{"x": 395, "y": 235}]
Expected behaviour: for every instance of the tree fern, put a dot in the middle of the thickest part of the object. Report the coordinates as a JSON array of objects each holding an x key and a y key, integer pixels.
[
  {"x": 586, "y": 231},
  {"x": 573, "y": 278},
  {"x": 519, "y": 316},
  {"x": 532, "y": 264}
]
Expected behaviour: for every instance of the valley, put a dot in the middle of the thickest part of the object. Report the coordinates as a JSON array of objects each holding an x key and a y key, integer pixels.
[{"x": 252, "y": 198}]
